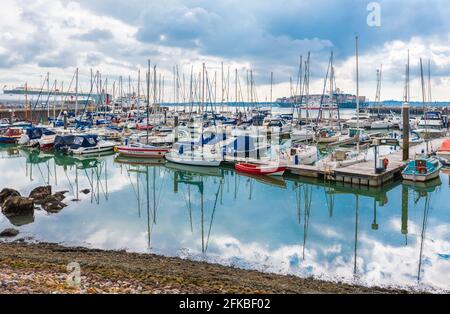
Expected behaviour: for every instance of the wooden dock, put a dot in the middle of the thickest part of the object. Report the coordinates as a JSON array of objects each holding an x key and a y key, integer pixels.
[{"x": 363, "y": 174}]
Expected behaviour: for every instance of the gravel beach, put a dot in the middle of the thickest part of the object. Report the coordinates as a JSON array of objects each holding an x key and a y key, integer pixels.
[{"x": 43, "y": 268}]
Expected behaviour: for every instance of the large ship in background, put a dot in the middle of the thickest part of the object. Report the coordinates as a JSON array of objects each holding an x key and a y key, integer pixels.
[{"x": 342, "y": 100}]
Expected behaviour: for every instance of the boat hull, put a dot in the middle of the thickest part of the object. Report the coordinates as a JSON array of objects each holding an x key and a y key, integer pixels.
[
  {"x": 193, "y": 161},
  {"x": 91, "y": 150},
  {"x": 421, "y": 177},
  {"x": 326, "y": 140},
  {"x": 260, "y": 169},
  {"x": 141, "y": 152},
  {"x": 8, "y": 140}
]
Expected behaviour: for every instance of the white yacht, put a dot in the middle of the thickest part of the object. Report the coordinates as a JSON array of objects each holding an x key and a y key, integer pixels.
[
  {"x": 431, "y": 125},
  {"x": 364, "y": 121}
]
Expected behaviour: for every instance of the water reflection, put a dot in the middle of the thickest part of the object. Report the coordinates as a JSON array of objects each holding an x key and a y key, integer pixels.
[{"x": 397, "y": 235}]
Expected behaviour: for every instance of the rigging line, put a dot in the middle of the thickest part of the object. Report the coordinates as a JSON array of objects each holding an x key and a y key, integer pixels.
[
  {"x": 158, "y": 203},
  {"x": 319, "y": 116},
  {"x": 306, "y": 217},
  {"x": 70, "y": 183},
  {"x": 68, "y": 90},
  {"x": 100, "y": 183},
  {"x": 424, "y": 226},
  {"x": 187, "y": 200},
  {"x": 91, "y": 183},
  {"x": 40, "y": 171},
  {"x": 212, "y": 215},
  {"x": 50, "y": 92}
]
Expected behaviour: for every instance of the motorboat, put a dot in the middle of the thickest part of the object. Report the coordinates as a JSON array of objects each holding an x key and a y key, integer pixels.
[
  {"x": 444, "y": 151},
  {"x": 254, "y": 169},
  {"x": 31, "y": 136},
  {"x": 82, "y": 144},
  {"x": 194, "y": 158},
  {"x": 327, "y": 135},
  {"x": 47, "y": 141},
  {"x": 382, "y": 124},
  {"x": 341, "y": 158},
  {"x": 302, "y": 135},
  {"x": 90, "y": 144},
  {"x": 360, "y": 135},
  {"x": 414, "y": 138},
  {"x": 140, "y": 150},
  {"x": 364, "y": 121},
  {"x": 431, "y": 125},
  {"x": 276, "y": 125},
  {"x": 299, "y": 154},
  {"x": 11, "y": 135},
  {"x": 422, "y": 169}
]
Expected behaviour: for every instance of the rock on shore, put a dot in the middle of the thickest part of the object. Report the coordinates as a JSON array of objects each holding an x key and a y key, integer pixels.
[
  {"x": 18, "y": 205},
  {"x": 39, "y": 194},
  {"x": 9, "y": 233},
  {"x": 5, "y": 193}
]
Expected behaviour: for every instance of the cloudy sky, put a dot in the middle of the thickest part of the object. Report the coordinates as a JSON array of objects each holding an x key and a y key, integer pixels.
[{"x": 117, "y": 37}]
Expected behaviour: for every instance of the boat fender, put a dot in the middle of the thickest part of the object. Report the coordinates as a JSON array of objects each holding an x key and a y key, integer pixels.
[
  {"x": 297, "y": 160},
  {"x": 386, "y": 163}
]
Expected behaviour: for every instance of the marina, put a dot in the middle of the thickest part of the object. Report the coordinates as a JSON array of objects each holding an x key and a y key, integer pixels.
[
  {"x": 185, "y": 147},
  {"x": 324, "y": 192}
]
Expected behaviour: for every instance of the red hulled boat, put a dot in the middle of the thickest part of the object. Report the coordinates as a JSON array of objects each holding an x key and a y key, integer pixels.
[{"x": 269, "y": 170}]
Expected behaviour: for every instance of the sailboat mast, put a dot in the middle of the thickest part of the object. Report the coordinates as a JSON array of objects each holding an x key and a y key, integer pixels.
[
  {"x": 148, "y": 101},
  {"x": 271, "y": 87},
  {"x": 357, "y": 91},
  {"x": 138, "y": 102},
  {"x": 423, "y": 102},
  {"x": 236, "y": 86},
  {"x": 429, "y": 83},
  {"x": 331, "y": 86},
  {"x": 307, "y": 89},
  {"x": 203, "y": 87},
  {"x": 155, "y": 99},
  {"x": 76, "y": 92}
]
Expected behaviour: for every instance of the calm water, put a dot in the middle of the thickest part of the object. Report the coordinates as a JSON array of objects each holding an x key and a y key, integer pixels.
[{"x": 398, "y": 236}]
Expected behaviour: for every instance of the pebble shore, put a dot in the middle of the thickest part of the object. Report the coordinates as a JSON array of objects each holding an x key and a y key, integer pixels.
[{"x": 42, "y": 268}]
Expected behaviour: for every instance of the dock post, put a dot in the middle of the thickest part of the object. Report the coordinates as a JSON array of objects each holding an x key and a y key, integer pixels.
[
  {"x": 405, "y": 115},
  {"x": 65, "y": 120},
  {"x": 175, "y": 182},
  {"x": 404, "y": 210},
  {"x": 176, "y": 127}
]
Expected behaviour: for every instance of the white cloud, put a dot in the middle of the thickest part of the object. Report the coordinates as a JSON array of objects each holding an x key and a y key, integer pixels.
[{"x": 117, "y": 38}]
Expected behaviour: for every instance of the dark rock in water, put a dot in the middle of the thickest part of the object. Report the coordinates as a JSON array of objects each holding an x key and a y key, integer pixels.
[
  {"x": 85, "y": 191},
  {"x": 53, "y": 204},
  {"x": 76, "y": 200},
  {"x": 9, "y": 233},
  {"x": 5, "y": 193},
  {"x": 40, "y": 193},
  {"x": 59, "y": 196},
  {"x": 21, "y": 220},
  {"x": 18, "y": 205},
  {"x": 19, "y": 210},
  {"x": 62, "y": 192}
]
